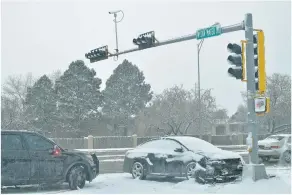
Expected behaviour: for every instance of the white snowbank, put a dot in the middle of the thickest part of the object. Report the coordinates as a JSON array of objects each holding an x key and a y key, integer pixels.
[
  {"x": 119, "y": 184},
  {"x": 122, "y": 183},
  {"x": 275, "y": 185}
]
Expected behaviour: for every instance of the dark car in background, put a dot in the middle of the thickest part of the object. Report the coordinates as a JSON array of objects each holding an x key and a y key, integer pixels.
[
  {"x": 183, "y": 156},
  {"x": 28, "y": 158}
]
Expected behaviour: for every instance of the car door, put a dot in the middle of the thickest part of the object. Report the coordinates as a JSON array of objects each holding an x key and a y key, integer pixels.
[
  {"x": 163, "y": 156},
  {"x": 175, "y": 157},
  {"x": 15, "y": 160},
  {"x": 44, "y": 166}
]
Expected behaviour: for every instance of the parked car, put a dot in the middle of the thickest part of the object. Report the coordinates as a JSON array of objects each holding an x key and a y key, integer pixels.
[
  {"x": 275, "y": 146},
  {"x": 183, "y": 156},
  {"x": 28, "y": 158}
]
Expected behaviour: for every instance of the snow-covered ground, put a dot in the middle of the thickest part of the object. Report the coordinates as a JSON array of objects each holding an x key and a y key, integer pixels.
[{"x": 122, "y": 183}]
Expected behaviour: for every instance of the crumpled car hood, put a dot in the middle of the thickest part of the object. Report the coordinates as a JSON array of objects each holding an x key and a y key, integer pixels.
[{"x": 219, "y": 154}]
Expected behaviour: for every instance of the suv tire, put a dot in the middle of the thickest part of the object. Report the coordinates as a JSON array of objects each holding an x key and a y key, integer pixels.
[{"x": 77, "y": 178}]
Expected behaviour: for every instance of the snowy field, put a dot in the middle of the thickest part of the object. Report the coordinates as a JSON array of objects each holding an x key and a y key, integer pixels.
[{"x": 122, "y": 183}]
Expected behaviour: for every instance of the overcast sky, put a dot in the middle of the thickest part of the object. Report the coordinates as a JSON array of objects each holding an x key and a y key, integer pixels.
[{"x": 44, "y": 36}]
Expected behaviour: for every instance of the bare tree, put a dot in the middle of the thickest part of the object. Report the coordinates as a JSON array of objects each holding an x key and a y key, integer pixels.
[
  {"x": 279, "y": 91},
  {"x": 13, "y": 95},
  {"x": 15, "y": 87},
  {"x": 175, "y": 111}
]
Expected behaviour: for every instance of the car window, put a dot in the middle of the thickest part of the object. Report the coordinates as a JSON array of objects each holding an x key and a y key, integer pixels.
[
  {"x": 11, "y": 142},
  {"x": 161, "y": 144},
  {"x": 289, "y": 140},
  {"x": 275, "y": 137},
  {"x": 38, "y": 143}
]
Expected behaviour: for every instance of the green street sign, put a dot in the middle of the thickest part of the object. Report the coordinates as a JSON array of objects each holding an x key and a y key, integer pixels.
[{"x": 212, "y": 31}]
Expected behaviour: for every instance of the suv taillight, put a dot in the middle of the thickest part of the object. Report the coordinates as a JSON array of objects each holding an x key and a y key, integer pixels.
[{"x": 57, "y": 151}]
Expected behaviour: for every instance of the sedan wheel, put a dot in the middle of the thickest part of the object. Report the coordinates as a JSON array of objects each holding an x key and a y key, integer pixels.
[
  {"x": 138, "y": 171},
  {"x": 287, "y": 156},
  {"x": 190, "y": 170}
]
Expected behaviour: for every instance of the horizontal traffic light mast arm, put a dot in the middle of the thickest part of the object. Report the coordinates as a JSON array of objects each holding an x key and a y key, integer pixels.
[{"x": 226, "y": 29}]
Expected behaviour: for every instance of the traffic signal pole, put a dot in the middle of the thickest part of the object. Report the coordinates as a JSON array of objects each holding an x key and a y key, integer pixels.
[
  {"x": 258, "y": 170},
  {"x": 254, "y": 168}
]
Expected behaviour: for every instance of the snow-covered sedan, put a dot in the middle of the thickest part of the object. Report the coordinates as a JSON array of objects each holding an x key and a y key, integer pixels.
[
  {"x": 275, "y": 146},
  {"x": 183, "y": 156}
]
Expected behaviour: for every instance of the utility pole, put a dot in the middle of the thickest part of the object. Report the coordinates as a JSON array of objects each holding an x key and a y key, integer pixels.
[{"x": 199, "y": 46}]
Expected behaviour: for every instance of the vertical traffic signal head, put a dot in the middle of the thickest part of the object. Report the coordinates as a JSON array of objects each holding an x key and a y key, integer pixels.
[
  {"x": 260, "y": 72},
  {"x": 235, "y": 59},
  {"x": 259, "y": 40}
]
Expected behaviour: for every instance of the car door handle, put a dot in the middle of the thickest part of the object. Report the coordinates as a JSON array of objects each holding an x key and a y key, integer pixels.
[{"x": 35, "y": 155}]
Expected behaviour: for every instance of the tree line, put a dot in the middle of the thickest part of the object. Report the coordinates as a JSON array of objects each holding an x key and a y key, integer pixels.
[{"x": 68, "y": 101}]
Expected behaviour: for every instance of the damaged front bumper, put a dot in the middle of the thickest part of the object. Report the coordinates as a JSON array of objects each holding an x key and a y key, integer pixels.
[{"x": 220, "y": 171}]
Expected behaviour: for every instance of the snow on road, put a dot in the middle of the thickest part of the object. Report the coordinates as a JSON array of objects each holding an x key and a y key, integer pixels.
[{"x": 123, "y": 183}]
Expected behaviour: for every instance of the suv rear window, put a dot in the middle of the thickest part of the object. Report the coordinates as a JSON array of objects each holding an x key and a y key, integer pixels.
[{"x": 11, "y": 142}]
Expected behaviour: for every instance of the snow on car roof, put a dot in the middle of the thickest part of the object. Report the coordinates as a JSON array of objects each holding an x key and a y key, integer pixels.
[
  {"x": 284, "y": 135},
  {"x": 194, "y": 143}
]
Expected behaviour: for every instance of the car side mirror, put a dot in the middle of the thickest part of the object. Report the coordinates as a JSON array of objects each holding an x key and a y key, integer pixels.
[
  {"x": 51, "y": 151},
  {"x": 179, "y": 150}
]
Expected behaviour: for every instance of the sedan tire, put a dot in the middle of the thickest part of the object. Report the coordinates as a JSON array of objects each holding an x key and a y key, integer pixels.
[
  {"x": 287, "y": 156},
  {"x": 190, "y": 169},
  {"x": 138, "y": 171}
]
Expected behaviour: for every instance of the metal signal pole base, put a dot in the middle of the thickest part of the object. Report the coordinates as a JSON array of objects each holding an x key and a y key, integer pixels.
[{"x": 256, "y": 171}]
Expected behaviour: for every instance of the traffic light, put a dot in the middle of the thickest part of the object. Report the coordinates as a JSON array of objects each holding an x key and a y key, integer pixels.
[
  {"x": 97, "y": 54},
  {"x": 236, "y": 59},
  {"x": 145, "y": 40},
  {"x": 260, "y": 70}
]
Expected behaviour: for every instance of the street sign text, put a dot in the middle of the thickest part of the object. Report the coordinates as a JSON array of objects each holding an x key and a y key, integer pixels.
[{"x": 208, "y": 32}]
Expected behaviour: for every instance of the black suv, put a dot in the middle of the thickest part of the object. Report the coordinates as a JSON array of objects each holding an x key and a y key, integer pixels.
[{"x": 28, "y": 158}]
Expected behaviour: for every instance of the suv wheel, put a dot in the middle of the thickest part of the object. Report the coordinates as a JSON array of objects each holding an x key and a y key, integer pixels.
[{"x": 77, "y": 178}]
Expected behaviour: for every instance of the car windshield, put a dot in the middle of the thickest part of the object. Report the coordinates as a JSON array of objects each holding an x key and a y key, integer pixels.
[
  {"x": 196, "y": 144},
  {"x": 275, "y": 137}
]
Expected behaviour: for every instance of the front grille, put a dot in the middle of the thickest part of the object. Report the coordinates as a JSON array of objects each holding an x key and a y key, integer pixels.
[
  {"x": 231, "y": 162},
  {"x": 228, "y": 168}
]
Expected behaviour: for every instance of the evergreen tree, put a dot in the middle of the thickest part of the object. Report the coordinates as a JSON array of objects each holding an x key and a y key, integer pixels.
[
  {"x": 79, "y": 96},
  {"x": 126, "y": 92},
  {"x": 41, "y": 105}
]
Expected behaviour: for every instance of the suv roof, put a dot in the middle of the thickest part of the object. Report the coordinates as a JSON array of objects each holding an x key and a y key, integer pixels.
[{"x": 17, "y": 131}]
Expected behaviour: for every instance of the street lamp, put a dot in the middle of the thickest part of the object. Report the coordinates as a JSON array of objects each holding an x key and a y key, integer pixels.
[
  {"x": 116, "y": 27},
  {"x": 199, "y": 47}
]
